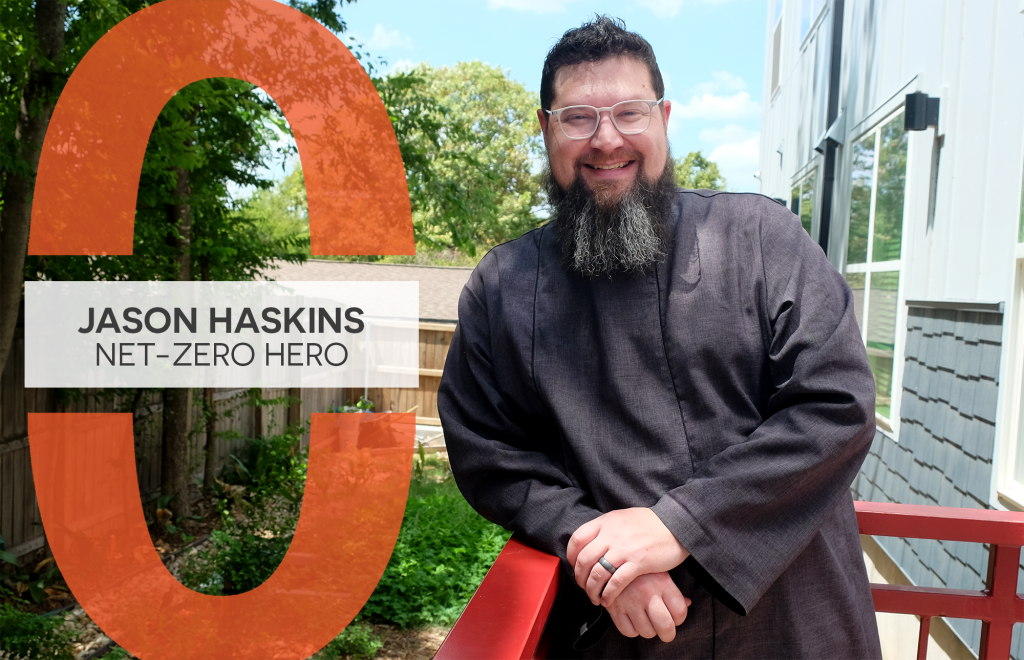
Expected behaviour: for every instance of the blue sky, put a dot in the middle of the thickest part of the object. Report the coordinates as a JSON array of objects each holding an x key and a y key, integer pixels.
[{"x": 711, "y": 53}]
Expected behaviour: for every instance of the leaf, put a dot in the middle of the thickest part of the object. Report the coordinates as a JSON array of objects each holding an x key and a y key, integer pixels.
[
  {"x": 8, "y": 557},
  {"x": 38, "y": 591},
  {"x": 40, "y": 565}
]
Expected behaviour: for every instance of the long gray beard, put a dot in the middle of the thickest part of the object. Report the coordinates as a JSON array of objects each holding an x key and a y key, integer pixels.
[{"x": 625, "y": 237}]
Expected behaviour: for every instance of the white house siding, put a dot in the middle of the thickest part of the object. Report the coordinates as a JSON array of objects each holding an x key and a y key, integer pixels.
[{"x": 947, "y": 403}]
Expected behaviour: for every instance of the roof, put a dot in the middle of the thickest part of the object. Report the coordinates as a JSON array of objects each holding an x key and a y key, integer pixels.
[{"x": 440, "y": 286}]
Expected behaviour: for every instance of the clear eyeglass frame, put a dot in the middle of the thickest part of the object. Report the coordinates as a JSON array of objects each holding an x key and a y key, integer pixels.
[{"x": 557, "y": 114}]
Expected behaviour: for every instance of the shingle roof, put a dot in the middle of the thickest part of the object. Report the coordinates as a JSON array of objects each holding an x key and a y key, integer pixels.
[{"x": 440, "y": 286}]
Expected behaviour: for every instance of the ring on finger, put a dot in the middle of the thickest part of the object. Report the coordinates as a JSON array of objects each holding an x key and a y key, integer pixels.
[{"x": 607, "y": 565}]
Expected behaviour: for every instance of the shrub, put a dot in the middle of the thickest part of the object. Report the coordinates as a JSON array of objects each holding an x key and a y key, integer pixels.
[
  {"x": 357, "y": 641},
  {"x": 242, "y": 555},
  {"x": 28, "y": 635},
  {"x": 444, "y": 549}
]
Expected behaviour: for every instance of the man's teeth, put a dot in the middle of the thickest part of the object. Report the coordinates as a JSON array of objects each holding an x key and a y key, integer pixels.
[{"x": 609, "y": 167}]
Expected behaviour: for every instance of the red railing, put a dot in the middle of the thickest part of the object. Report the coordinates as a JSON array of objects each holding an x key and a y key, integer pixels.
[{"x": 505, "y": 618}]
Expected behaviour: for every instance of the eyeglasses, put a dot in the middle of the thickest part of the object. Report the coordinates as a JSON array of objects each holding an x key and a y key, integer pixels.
[{"x": 579, "y": 122}]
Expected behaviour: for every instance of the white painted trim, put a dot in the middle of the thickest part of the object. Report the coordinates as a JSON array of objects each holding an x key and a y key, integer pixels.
[{"x": 1009, "y": 420}]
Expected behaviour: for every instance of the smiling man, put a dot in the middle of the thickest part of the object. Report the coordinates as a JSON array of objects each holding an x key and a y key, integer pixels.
[{"x": 666, "y": 389}]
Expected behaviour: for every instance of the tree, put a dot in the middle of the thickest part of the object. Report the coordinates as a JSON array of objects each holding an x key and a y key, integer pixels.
[
  {"x": 468, "y": 137},
  {"x": 32, "y": 47},
  {"x": 210, "y": 134},
  {"x": 696, "y": 172}
]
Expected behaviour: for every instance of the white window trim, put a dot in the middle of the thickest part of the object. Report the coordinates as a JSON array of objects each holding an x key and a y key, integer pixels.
[
  {"x": 1007, "y": 485},
  {"x": 889, "y": 426}
]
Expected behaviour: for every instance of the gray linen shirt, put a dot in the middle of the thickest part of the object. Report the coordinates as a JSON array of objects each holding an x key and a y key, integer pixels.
[{"x": 727, "y": 389}]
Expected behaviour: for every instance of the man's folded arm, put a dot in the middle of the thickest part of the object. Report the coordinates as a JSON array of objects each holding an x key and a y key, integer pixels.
[
  {"x": 497, "y": 451},
  {"x": 749, "y": 511}
]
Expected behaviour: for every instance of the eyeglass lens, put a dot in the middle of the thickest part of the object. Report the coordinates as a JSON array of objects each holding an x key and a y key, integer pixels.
[{"x": 629, "y": 117}]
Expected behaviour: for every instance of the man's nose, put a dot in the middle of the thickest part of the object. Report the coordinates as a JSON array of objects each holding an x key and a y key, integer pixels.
[{"x": 606, "y": 137}]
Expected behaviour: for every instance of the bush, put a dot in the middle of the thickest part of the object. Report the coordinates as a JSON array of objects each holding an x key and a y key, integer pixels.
[
  {"x": 356, "y": 641},
  {"x": 443, "y": 552},
  {"x": 33, "y": 636},
  {"x": 241, "y": 556}
]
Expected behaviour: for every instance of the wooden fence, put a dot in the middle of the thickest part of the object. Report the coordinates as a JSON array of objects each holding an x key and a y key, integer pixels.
[{"x": 20, "y": 525}]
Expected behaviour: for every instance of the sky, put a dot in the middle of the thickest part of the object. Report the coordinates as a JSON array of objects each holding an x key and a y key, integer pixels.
[{"x": 711, "y": 54}]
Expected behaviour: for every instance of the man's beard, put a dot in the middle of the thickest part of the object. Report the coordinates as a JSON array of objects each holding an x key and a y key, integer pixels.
[{"x": 599, "y": 237}]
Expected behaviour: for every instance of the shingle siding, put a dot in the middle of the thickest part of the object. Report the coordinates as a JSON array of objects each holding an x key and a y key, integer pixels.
[{"x": 946, "y": 442}]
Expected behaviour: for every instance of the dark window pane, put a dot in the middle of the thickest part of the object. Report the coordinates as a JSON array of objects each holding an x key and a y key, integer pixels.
[
  {"x": 860, "y": 199},
  {"x": 794, "y": 200},
  {"x": 881, "y": 334},
  {"x": 892, "y": 178},
  {"x": 807, "y": 202},
  {"x": 856, "y": 282}
]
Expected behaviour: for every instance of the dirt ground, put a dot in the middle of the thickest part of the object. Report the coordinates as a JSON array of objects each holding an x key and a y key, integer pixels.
[{"x": 409, "y": 644}]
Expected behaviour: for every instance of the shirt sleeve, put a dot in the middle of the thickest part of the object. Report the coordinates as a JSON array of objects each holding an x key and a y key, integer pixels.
[
  {"x": 749, "y": 511},
  {"x": 505, "y": 455}
]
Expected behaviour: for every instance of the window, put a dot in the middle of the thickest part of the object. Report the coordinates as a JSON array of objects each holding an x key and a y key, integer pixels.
[
  {"x": 809, "y": 11},
  {"x": 873, "y": 257},
  {"x": 802, "y": 200}
]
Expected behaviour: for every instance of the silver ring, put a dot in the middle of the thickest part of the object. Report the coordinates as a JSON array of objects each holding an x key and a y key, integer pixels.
[{"x": 607, "y": 565}]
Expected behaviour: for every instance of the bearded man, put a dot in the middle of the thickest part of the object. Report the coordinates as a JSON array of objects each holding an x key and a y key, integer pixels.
[{"x": 666, "y": 389}]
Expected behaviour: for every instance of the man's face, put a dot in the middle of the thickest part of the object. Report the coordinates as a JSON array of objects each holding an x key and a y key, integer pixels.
[{"x": 603, "y": 84}]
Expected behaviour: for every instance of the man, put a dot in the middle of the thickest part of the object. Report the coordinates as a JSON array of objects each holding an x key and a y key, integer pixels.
[{"x": 666, "y": 389}]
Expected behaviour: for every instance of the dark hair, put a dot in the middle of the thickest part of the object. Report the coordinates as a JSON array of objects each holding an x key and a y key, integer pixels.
[{"x": 597, "y": 40}]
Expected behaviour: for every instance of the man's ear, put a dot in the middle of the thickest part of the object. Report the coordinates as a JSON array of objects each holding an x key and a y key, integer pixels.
[
  {"x": 666, "y": 111},
  {"x": 542, "y": 117}
]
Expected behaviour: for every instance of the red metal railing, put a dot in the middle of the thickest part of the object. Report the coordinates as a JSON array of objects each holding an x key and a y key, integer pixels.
[
  {"x": 998, "y": 607},
  {"x": 505, "y": 618}
]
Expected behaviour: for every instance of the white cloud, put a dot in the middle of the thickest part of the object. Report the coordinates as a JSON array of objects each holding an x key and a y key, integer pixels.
[
  {"x": 738, "y": 162},
  {"x": 720, "y": 81},
  {"x": 726, "y": 134},
  {"x": 383, "y": 39},
  {"x": 712, "y": 106},
  {"x": 536, "y": 6},
  {"x": 735, "y": 155},
  {"x": 402, "y": 66}
]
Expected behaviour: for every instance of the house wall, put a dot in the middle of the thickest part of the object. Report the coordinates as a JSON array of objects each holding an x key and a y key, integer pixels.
[{"x": 962, "y": 214}]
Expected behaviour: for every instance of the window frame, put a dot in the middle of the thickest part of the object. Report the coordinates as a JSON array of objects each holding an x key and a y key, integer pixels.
[
  {"x": 888, "y": 425},
  {"x": 1010, "y": 441},
  {"x": 811, "y": 170}
]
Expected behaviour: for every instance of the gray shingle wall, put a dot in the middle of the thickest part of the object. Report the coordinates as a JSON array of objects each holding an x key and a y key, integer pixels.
[{"x": 945, "y": 449}]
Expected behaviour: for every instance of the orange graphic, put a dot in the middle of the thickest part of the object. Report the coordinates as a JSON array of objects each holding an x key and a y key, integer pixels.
[
  {"x": 356, "y": 487},
  {"x": 92, "y": 155},
  {"x": 84, "y": 464}
]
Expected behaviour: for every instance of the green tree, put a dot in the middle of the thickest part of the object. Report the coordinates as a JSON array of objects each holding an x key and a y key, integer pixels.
[
  {"x": 211, "y": 134},
  {"x": 468, "y": 136},
  {"x": 696, "y": 172}
]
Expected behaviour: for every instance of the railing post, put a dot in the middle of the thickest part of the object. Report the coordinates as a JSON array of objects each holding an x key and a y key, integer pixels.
[
  {"x": 922, "y": 637},
  {"x": 1001, "y": 583}
]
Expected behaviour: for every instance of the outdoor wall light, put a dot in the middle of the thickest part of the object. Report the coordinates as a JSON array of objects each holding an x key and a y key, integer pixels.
[{"x": 920, "y": 112}]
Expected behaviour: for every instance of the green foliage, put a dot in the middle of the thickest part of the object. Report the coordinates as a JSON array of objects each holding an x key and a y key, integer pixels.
[
  {"x": 467, "y": 134},
  {"x": 362, "y": 405},
  {"x": 444, "y": 549},
  {"x": 356, "y": 641},
  {"x": 273, "y": 467},
  {"x": 696, "y": 172},
  {"x": 24, "y": 581},
  {"x": 33, "y": 636}
]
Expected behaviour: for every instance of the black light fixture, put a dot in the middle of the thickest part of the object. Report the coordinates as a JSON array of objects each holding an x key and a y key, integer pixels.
[{"x": 920, "y": 112}]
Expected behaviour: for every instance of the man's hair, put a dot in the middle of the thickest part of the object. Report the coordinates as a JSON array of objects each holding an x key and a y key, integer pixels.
[{"x": 594, "y": 41}]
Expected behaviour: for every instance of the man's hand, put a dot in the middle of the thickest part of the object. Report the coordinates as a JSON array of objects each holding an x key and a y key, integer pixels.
[
  {"x": 651, "y": 605},
  {"x": 634, "y": 540}
]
